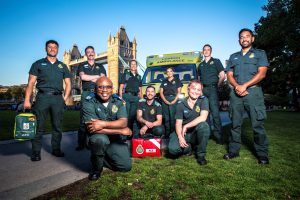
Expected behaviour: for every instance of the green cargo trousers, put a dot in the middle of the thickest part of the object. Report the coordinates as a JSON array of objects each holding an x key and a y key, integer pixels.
[
  {"x": 254, "y": 105},
  {"x": 197, "y": 137},
  {"x": 169, "y": 112},
  {"x": 82, "y": 133},
  {"x": 131, "y": 108},
  {"x": 109, "y": 152},
  {"x": 212, "y": 94},
  {"x": 48, "y": 104}
]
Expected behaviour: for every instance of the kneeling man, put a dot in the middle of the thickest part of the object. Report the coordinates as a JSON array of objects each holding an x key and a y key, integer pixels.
[
  {"x": 149, "y": 115},
  {"x": 106, "y": 121},
  {"x": 191, "y": 127}
]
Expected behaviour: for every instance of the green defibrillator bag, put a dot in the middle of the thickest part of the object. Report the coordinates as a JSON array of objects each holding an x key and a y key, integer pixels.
[{"x": 25, "y": 126}]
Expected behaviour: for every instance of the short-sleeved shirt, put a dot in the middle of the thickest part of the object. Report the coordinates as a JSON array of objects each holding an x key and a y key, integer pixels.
[
  {"x": 244, "y": 67},
  {"x": 132, "y": 82},
  {"x": 187, "y": 114},
  {"x": 209, "y": 71},
  {"x": 93, "y": 108},
  {"x": 150, "y": 111},
  {"x": 96, "y": 69},
  {"x": 49, "y": 76},
  {"x": 170, "y": 87}
]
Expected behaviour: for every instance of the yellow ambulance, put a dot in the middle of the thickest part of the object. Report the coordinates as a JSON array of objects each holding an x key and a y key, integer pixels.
[{"x": 185, "y": 67}]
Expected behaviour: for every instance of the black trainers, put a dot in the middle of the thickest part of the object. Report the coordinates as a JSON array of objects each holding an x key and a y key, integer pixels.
[
  {"x": 263, "y": 160},
  {"x": 230, "y": 155},
  {"x": 58, "y": 153},
  {"x": 35, "y": 156},
  {"x": 94, "y": 175},
  {"x": 202, "y": 161}
]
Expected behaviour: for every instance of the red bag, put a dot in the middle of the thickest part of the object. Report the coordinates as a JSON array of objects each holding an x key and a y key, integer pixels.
[{"x": 143, "y": 148}]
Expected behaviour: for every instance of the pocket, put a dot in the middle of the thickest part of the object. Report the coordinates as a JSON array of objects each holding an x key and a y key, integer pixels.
[{"x": 260, "y": 112}]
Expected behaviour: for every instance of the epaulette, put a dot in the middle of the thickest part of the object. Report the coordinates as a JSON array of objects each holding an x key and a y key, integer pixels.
[
  {"x": 202, "y": 97},
  {"x": 142, "y": 100},
  {"x": 157, "y": 103},
  {"x": 90, "y": 96},
  {"x": 117, "y": 98}
]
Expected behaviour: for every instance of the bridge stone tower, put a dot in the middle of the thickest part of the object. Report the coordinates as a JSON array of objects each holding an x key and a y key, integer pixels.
[{"x": 119, "y": 45}]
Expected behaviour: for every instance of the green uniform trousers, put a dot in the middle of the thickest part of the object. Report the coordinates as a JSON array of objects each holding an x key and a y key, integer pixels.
[
  {"x": 254, "y": 105},
  {"x": 169, "y": 112},
  {"x": 212, "y": 94},
  {"x": 82, "y": 132},
  {"x": 156, "y": 131},
  {"x": 109, "y": 151},
  {"x": 48, "y": 104},
  {"x": 131, "y": 108},
  {"x": 198, "y": 137}
]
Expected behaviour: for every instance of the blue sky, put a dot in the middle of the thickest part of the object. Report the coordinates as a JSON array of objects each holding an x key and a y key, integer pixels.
[{"x": 159, "y": 26}]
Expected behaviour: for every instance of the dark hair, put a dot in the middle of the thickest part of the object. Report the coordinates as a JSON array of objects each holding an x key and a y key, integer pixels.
[
  {"x": 246, "y": 29},
  {"x": 150, "y": 86},
  {"x": 194, "y": 81},
  {"x": 170, "y": 68},
  {"x": 207, "y": 45},
  {"x": 132, "y": 61},
  {"x": 89, "y": 47},
  {"x": 51, "y": 42}
]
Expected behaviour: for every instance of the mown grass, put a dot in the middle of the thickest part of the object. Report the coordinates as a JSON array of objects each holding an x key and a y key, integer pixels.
[
  {"x": 7, "y": 120},
  {"x": 183, "y": 178}
]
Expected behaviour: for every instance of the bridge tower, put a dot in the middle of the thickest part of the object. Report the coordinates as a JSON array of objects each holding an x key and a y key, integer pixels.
[{"x": 120, "y": 45}]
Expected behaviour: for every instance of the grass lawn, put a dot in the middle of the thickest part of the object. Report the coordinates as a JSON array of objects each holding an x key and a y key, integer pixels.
[
  {"x": 7, "y": 120},
  {"x": 183, "y": 178}
]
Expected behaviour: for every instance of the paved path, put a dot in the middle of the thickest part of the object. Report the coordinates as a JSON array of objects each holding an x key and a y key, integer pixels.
[{"x": 22, "y": 179}]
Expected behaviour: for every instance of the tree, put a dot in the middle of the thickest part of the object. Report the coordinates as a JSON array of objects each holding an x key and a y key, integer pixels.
[{"x": 279, "y": 34}]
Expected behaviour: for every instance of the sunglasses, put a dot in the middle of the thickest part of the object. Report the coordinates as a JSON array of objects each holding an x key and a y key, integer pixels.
[{"x": 102, "y": 87}]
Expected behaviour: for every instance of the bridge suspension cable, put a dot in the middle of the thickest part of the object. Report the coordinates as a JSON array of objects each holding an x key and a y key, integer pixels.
[{"x": 141, "y": 67}]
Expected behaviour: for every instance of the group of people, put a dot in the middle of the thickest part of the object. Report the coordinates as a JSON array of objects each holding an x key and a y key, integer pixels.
[{"x": 107, "y": 120}]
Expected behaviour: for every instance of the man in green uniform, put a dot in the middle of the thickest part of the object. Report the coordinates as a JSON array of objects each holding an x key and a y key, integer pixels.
[
  {"x": 89, "y": 74},
  {"x": 245, "y": 70},
  {"x": 106, "y": 121},
  {"x": 149, "y": 115},
  {"x": 191, "y": 126},
  {"x": 170, "y": 89},
  {"x": 131, "y": 90},
  {"x": 49, "y": 73},
  {"x": 211, "y": 74}
]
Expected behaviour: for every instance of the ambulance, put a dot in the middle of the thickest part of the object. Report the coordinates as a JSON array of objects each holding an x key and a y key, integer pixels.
[{"x": 185, "y": 67}]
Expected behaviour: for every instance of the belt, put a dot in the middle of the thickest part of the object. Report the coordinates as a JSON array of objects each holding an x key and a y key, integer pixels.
[
  {"x": 89, "y": 90},
  {"x": 51, "y": 93},
  {"x": 210, "y": 85},
  {"x": 132, "y": 93},
  {"x": 254, "y": 86}
]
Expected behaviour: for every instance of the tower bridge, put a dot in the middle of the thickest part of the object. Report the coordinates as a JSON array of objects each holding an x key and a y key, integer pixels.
[{"x": 119, "y": 50}]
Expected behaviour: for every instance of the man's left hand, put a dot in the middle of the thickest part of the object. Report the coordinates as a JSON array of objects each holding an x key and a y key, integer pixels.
[{"x": 95, "y": 125}]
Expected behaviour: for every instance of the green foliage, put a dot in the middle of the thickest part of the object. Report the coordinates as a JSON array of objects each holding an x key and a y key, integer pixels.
[{"x": 279, "y": 34}]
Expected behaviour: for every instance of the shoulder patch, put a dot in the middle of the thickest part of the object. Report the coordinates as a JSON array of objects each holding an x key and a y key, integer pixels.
[{"x": 90, "y": 96}]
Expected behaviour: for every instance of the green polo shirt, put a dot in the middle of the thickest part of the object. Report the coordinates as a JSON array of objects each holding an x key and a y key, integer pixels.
[
  {"x": 149, "y": 111},
  {"x": 93, "y": 108},
  {"x": 209, "y": 71},
  {"x": 170, "y": 87},
  {"x": 244, "y": 67},
  {"x": 49, "y": 76},
  {"x": 187, "y": 114},
  {"x": 132, "y": 82},
  {"x": 96, "y": 69}
]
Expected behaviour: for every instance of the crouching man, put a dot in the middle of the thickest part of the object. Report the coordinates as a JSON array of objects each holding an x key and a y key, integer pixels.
[
  {"x": 149, "y": 115},
  {"x": 106, "y": 121},
  {"x": 191, "y": 127}
]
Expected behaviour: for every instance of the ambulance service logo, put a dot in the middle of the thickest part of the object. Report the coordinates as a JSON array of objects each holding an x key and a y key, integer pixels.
[
  {"x": 173, "y": 82},
  {"x": 114, "y": 109},
  {"x": 251, "y": 55},
  {"x": 152, "y": 111},
  {"x": 211, "y": 63},
  {"x": 60, "y": 66},
  {"x": 139, "y": 149},
  {"x": 25, "y": 126},
  {"x": 197, "y": 109}
]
